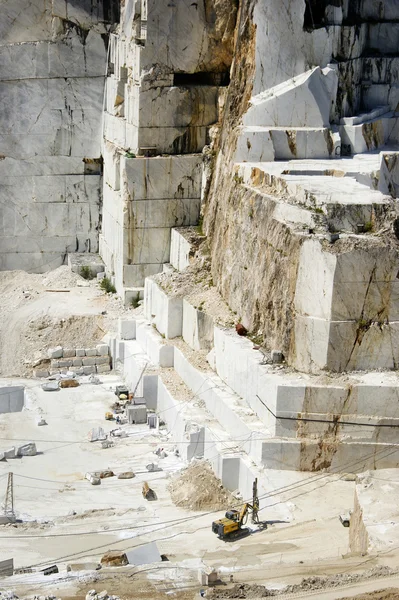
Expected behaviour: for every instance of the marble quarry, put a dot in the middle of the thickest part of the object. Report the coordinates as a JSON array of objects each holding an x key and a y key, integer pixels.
[{"x": 272, "y": 128}]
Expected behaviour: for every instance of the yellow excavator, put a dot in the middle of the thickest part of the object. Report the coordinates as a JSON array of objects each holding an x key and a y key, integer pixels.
[{"x": 231, "y": 526}]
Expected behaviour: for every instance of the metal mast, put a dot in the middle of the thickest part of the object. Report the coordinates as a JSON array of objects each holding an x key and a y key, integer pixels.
[{"x": 9, "y": 499}]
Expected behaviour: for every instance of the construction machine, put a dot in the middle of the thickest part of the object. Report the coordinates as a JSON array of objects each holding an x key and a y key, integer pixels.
[{"x": 231, "y": 526}]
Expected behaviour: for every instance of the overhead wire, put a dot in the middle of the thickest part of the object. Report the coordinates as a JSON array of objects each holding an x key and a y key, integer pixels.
[{"x": 277, "y": 491}]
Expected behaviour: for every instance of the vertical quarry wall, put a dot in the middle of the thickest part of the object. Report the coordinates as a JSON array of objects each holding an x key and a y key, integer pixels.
[
  {"x": 167, "y": 64},
  {"x": 310, "y": 80},
  {"x": 52, "y": 70}
]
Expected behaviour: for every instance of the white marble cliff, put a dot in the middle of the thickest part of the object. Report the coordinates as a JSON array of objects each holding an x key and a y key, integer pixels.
[
  {"x": 52, "y": 71},
  {"x": 273, "y": 126}
]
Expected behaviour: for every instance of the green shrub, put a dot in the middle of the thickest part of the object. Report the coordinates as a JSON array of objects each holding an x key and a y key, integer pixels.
[
  {"x": 107, "y": 286},
  {"x": 135, "y": 300},
  {"x": 86, "y": 272}
]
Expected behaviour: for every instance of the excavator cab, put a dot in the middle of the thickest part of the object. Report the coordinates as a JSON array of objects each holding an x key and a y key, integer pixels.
[
  {"x": 234, "y": 515},
  {"x": 231, "y": 526}
]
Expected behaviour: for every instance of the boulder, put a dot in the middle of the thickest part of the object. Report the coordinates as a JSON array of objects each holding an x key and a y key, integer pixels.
[
  {"x": 69, "y": 383},
  {"x": 56, "y": 352},
  {"x": 126, "y": 475},
  {"x": 27, "y": 450},
  {"x": 51, "y": 386},
  {"x": 114, "y": 558},
  {"x": 10, "y": 453},
  {"x": 93, "y": 479},
  {"x": 103, "y": 474}
]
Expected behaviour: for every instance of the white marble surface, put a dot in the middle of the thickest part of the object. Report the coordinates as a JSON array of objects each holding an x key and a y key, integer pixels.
[
  {"x": 302, "y": 101},
  {"x": 162, "y": 177}
]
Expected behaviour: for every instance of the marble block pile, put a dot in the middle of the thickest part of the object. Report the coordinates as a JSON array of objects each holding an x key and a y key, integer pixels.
[{"x": 80, "y": 361}]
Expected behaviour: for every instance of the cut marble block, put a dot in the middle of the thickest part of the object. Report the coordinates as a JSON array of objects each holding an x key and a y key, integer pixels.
[
  {"x": 347, "y": 315},
  {"x": 162, "y": 177},
  {"x": 368, "y": 131},
  {"x": 304, "y": 101},
  {"x": 197, "y": 327},
  {"x": 180, "y": 249},
  {"x": 164, "y": 311},
  {"x": 264, "y": 144}
]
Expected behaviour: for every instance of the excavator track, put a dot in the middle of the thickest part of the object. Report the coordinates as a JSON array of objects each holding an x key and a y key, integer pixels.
[{"x": 236, "y": 535}]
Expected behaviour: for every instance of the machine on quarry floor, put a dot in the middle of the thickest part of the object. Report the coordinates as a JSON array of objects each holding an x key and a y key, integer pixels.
[{"x": 231, "y": 526}]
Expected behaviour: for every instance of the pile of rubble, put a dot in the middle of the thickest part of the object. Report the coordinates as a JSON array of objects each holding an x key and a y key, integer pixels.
[{"x": 93, "y": 595}]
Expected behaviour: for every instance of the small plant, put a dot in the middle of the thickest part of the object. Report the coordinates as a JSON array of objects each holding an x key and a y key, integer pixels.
[
  {"x": 135, "y": 300},
  {"x": 130, "y": 154},
  {"x": 107, "y": 286},
  {"x": 368, "y": 227},
  {"x": 86, "y": 272},
  {"x": 238, "y": 179},
  {"x": 200, "y": 224},
  {"x": 363, "y": 324}
]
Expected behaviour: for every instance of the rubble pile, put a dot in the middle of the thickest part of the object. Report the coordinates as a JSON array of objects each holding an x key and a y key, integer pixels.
[{"x": 197, "y": 488}]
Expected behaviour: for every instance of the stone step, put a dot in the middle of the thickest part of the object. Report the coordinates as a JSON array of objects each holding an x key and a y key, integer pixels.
[
  {"x": 345, "y": 199},
  {"x": 317, "y": 455},
  {"x": 366, "y": 117},
  {"x": 370, "y": 134},
  {"x": 281, "y": 143}
]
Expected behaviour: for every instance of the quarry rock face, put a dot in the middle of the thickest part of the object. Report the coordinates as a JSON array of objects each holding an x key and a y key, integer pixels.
[
  {"x": 269, "y": 128},
  {"x": 168, "y": 65},
  {"x": 263, "y": 221},
  {"x": 52, "y": 58}
]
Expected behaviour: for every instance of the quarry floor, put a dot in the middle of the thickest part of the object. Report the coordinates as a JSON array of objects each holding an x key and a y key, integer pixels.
[
  {"x": 303, "y": 531},
  {"x": 66, "y": 520}
]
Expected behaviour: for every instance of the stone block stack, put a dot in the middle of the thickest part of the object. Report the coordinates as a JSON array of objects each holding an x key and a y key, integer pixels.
[{"x": 80, "y": 361}]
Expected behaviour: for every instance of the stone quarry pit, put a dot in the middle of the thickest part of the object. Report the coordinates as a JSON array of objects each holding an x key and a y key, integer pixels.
[{"x": 199, "y": 289}]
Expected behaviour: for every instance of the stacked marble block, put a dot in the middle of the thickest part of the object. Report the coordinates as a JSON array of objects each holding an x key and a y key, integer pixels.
[
  {"x": 80, "y": 361},
  {"x": 292, "y": 121},
  {"x": 300, "y": 113},
  {"x": 156, "y": 104},
  {"x": 200, "y": 429},
  {"x": 335, "y": 325},
  {"x": 145, "y": 108},
  {"x": 143, "y": 199},
  {"x": 346, "y": 193},
  {"x": 50, "y": 171},
  {"x": 275, "y": 418},
  {"x": 313, "y": 423}
]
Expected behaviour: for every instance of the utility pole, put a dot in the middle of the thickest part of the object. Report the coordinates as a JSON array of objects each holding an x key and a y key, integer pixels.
[{"x": 9, "y": 499}]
